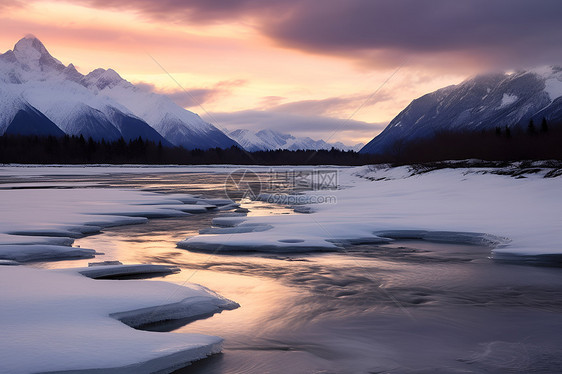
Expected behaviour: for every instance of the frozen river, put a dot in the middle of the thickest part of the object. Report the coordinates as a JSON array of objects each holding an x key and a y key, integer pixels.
[{"x": 406, "y": 306}]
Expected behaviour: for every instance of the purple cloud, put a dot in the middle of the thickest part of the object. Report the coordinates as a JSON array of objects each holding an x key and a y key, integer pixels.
[{"x": 497, "y": 33}]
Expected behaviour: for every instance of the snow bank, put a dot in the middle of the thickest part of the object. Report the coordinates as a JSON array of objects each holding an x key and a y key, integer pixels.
[
  {"x": 466, "y": 205},
  {"x": 61, "y": 320}
]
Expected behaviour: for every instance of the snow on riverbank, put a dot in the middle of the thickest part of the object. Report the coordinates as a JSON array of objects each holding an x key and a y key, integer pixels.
[
  {"x": 58, "y": 320},
  {"x": 509, "y": 214},
  {"x": 61, "y": 320},
  {"x": 470, "y": 205}
]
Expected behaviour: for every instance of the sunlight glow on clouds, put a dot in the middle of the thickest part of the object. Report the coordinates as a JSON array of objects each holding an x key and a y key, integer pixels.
[{"x": 263, "y": 63}]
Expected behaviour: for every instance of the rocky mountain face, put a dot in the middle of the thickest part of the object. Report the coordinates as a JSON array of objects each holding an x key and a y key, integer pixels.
[{"x": 481, "y": 103}]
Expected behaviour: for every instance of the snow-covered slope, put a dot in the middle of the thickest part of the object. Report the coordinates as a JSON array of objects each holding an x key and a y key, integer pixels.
[
  {"x": 101, "y": 104},
  {"x": 30, "y": 121},
  {"x": 483, "y": 102},
  {"x": 20, "y": 118},
  {"x": 270, "y": 140},
  {"x": 177, "y": 125}
]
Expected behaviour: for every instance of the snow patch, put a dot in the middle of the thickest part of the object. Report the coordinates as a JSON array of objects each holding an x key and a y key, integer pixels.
[
  {"x": 507, "y": 100},
  {"x": 553, "y": 87}
]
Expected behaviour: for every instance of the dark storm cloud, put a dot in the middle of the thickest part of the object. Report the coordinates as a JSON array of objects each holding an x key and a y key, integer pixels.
[
  {"x": 486, "y": 32},
  {"x": 497, "y": 31},
  {"x": 427, "y": 26}
]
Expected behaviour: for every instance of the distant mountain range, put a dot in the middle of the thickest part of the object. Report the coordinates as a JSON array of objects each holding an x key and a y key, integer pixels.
[
  {"x": 265, "y": 140},
  {"x": 481, "y": 103},
  {"x": 39, "y": 95}
]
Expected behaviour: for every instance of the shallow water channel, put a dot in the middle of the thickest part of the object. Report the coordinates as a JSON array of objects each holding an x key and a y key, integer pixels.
[{"x": 405, "y": 307}]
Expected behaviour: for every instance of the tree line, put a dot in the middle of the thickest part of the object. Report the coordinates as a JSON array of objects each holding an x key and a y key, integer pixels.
[
  {"x": 77, "y": 150},
  {"x": 533, "y": 142}
]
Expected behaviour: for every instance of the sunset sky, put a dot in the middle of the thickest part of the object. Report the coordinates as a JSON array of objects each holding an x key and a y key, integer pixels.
[{"x": 333, "y": 69}]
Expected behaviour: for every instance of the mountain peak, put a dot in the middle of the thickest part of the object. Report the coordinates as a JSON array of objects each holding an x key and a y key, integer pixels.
[
  {"x": 268, "y": 139},
  {"x": 72, "y": 74},
  {"x": 30, "y": 52},
  {"x": 102, "y": 78},
  {"x": 101, "y": 104},
  {"x": 32, "y": 44}
]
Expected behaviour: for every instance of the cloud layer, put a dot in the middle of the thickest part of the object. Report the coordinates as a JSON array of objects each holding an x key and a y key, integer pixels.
[
  {"x": 495, "y": 34},
  {"x": 194, "y": 97}
]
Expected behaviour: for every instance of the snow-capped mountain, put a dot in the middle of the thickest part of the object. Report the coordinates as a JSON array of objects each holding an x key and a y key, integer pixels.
[
  {"x": 57, "y": 98},
  {"x": 265, "y": 140},
  {"x": 483, "y": 102}
]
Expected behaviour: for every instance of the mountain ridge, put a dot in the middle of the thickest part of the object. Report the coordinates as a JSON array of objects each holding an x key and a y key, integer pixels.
[
  {"x": 481, "y": 103},
  {"x": 100, "y": 104},
  {"x": 265, "y": 140}
]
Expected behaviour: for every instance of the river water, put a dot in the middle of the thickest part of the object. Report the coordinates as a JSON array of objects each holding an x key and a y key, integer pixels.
[{"x": 405, "y": 307}]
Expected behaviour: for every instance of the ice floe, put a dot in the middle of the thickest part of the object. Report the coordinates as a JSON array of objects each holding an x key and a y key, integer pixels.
[
  {"x": 238, "y": 229},
  {"x": 60, "y": 320},
  {"x": 111, "y": 270},
  {"x": 42, "y": 252}
]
